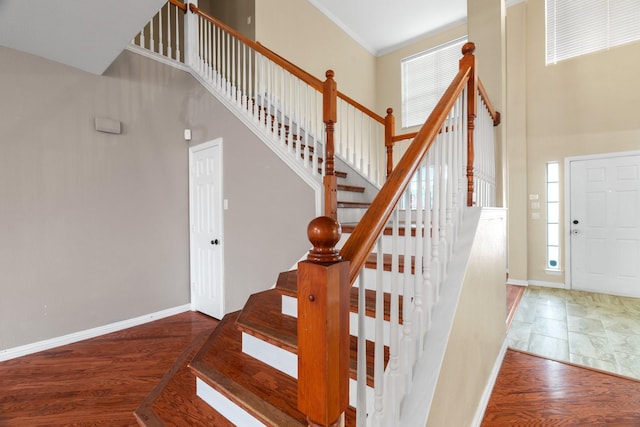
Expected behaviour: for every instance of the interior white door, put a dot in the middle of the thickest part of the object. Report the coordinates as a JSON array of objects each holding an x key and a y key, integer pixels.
[
  {"x": 205, "y": 194},
  {"x": 604, "y": 225}
]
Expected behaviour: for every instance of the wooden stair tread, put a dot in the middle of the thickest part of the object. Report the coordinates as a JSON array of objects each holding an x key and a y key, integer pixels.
[
  {"x": 388, "y": 230},
  {"x": 268, "y": 394},
  {"x": 372, "y": 262},
  {"x": 354, "y": 205},
  {"x": 261, "y": 317},
  {"x": 288, "y": 284},
  {"x": 173, "y": 400},
  {"x": 351, "y": 188}
]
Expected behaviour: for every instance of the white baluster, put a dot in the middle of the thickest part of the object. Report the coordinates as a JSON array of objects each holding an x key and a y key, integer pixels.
[
  {"x": 435, "y": 221},
  {"x": 442, "y": 211},
  {"x": 361, "y": 405},
  {"x": 177, "y": 33},
  {"x": 160, "y": 43},
  {"x": 418, "y": 313},
  {"x": 428, "y": 261},
  {"x": 407, "y": 293},
  {"x": 169, "y": 45},
  {"x": 152, "y": 43},
  {"x": 395, "y": 388},
  {"x": 378, "y": 363}
]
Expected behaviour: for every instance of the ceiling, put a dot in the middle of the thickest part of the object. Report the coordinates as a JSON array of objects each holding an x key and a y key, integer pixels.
[
  {"x": 86, "y": 34},
  {"x": 382, "y": 26}
]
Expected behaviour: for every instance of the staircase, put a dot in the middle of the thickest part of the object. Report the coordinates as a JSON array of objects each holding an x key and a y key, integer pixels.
[
  {"x": 366, "y": 309},
  {"x": 244, "y": 373}
]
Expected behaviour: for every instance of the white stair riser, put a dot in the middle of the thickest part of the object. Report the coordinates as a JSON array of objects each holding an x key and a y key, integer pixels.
[
  {"x": 224, "y": 406},
  {"x": 285, "y": 361},
  {"x": 290, "y": 308},
  {"x": 369, "y": 276},
  {"x": 350, "y": 215},
  {"x": 352, "y": 196}
]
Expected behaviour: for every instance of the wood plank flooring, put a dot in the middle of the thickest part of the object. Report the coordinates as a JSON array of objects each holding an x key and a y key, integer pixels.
[
  {"x": 99, "y": 381},
  {"x": 533, "y": 391}
]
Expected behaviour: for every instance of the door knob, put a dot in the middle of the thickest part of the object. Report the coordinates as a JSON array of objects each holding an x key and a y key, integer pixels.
[
  {"x": 215, "y": 242},
  {"x": 575, "y": 221},
  {"x": 574, "y": 231}
]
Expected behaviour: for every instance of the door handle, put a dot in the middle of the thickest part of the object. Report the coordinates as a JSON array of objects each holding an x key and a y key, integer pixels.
[
  {"x": 575, "y": 232},
  {"x": 215, "y": 242},
  {"x": 575, "y": 221}
]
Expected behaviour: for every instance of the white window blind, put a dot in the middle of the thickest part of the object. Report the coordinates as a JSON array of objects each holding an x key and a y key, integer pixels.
[
  {"x": 425, "y": 77},
  {"x": 578, "y": 27}
]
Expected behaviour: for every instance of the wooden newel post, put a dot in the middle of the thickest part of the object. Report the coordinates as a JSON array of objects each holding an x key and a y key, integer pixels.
[
  {"x": 389, "y": 130},
  {"x": 330, "y": 117},
  {"x": 323, "y": 327},
  {"x": 469, "y": 60}
]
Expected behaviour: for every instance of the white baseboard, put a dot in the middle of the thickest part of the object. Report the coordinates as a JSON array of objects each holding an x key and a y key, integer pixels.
[
  {"x": 23, "y": 350},
  {"x": 517, "y": 282},
  {"x": 548, "y": 284},
  {"x": 488, "y": 389}
]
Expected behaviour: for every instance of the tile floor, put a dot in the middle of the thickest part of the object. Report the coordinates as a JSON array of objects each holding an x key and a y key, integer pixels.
[{"x": 596, "y": 330}]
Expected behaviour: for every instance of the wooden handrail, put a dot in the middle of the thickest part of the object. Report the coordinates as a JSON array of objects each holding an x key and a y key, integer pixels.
[
  {"x": 360, "y": 244},
  {"x": 179, "y": 5},
  {"x": 495, "y": 115},
  {"x": 404, "y": 136},
  {"x": 361, "y": 107},
  {"x": 293, "y": 69}
]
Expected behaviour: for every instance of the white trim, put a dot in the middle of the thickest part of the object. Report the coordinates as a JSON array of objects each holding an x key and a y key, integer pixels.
[
  {"x": 491, "y": 382},
  {"x": 192, "y": 149},
  {"x": 157, "y": 57},
  {"x": 517, "y": 282},
  {"x": 12, "y": 353},
  {"x": 546, "y": 284},
  {"x": 224, "y": 406},
  {"x": 567, "y": 202}
]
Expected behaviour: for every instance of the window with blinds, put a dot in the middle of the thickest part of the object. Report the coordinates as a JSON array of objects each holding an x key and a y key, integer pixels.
[
  {"x": 425, "y": 77},
  {"x": 578, "y": 27}
]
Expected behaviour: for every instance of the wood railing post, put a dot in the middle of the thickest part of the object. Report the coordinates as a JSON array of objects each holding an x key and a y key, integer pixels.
[
  {"x": 329, "y": 116},
  {"x": 323, "y": 327},
  {"x": 389, "y": 130},
  {"x": 469, "y": 60}
]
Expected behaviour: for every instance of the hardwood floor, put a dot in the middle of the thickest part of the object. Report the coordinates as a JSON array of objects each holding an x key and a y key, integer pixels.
[
  {"x": 99, "y": 381},
  {"x": 533, "y": 391}
]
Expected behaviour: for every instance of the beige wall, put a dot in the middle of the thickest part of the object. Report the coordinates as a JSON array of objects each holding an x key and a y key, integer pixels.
[
  {"x": 581, "y": 106},
  {"x": 515, "y": 120},
  {"x": 94, "y": 226},
  {"x": 238, "y": 14},
  {"x": 479, "y": 327},
  {"x": 301, "y": 33}
]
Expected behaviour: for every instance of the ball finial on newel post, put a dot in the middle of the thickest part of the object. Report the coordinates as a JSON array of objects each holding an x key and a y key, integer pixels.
[
  {"x": 468, "y": 48},
  {"x": 324, "y": 233}
]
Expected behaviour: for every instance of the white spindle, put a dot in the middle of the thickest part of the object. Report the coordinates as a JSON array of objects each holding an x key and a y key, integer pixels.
[
  {"x": 442, "y": 208},
  {"x": 407, "y": 293},
  {"x": 177, "y": 33},
  {"x": 379, "y": 340},
  {"x": 169, "y": 46},
  {"x": 361, "y": 405},
  {"x": 152, "y": 43},
  {"x": 418, "y": 268},
  {"x": 394, "y": 329},
  {"x": 160, "y": 42}
]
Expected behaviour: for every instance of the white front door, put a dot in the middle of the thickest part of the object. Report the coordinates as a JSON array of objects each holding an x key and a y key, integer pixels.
[
  {"x": 205, "y": 200},
  {"x": 604, "y": 225}
]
